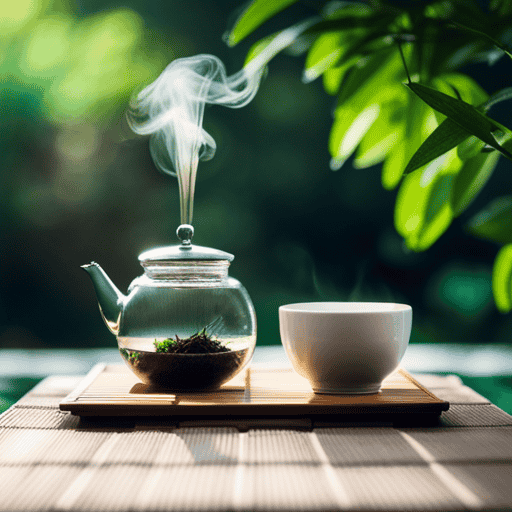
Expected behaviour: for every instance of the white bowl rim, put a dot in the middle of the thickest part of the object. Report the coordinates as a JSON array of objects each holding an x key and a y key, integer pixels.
[{"x": 345, "y": 308}]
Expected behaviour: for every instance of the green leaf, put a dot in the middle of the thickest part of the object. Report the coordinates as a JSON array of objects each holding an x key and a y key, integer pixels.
[
  {"x": 419, "y": 117},
  {"x": 336, "y": 10},
  {"x": 324, "y": 54},
  {"x": 471, "y": 179},
  {"x": 438, "y": 10},
  {"x": 465, "y": 115},
  {"x": 333, "y": 77},
  {"x": 494, "y": 222},
  {"x": 470, "y": 148},
  {"x": 259, "y": 47},
  {"x": 503, "y": 95},
  {"x": 502, "y": 7},
  {"x": 255, "y": 15},
  {"x": 377, "y": 72},
  {"x": 502, "y": 279},
  {"x": 445, "y": 137},
  {"x": 336, "y": 48},
  {"x": 352, "y": 22},
  {"x": 496, "y": 43},
  {"x": 438, "y": 214},
  {"x": 371, "y": 41},
  {"x": 265, "y": 50},
  {"x": 470, "y": 91},
  {"x": 358, "y": 108},
  {"x": 474, "y": 94},
  {"x": 348, "y": 129},
  {"x": 373, "y": 150},
  {"x": 393, "y": 166},
  {"x": 422, "y": 209},
  {"x": 383, "y": 136},
  {"x": 343, "y": 49}
]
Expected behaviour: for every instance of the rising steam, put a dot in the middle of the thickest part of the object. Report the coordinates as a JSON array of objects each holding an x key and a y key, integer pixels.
[{"x": 171, "y": 109}]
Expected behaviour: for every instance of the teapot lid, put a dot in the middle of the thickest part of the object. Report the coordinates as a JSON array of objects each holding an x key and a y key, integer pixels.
[{"x": 184, "y": 251}]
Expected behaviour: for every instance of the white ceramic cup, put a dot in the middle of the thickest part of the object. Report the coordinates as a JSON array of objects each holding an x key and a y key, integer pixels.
[{"x": 345, "y": 347}]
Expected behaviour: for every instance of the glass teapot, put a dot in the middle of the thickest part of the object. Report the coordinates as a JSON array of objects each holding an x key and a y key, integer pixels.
[{"x": 185, "y": 293}]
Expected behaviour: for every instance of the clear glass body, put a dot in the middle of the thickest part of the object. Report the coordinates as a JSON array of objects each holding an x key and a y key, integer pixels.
[{"x": 179, "y": 299}]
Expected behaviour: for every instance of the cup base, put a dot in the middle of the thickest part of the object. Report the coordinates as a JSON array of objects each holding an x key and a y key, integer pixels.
[{"x": 369, "y": 389}]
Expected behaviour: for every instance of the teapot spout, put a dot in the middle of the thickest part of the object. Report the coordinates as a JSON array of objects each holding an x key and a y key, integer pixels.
[{"x": 110, "y": 299}]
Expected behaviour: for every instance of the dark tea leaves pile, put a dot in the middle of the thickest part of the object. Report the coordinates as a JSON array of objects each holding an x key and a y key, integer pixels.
[
  {"x": 199, "y": 343},
  {"x": 198, "y": 363}
]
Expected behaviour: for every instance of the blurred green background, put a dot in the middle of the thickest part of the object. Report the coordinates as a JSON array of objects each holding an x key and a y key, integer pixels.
[{"x": 79, "y": 186}]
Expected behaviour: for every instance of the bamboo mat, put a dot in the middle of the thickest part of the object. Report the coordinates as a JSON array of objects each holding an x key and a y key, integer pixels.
[{"x": 51, "y": 461}]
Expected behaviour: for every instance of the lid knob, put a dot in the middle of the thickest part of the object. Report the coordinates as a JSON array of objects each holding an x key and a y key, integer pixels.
[{"x": 185, "y": 233}]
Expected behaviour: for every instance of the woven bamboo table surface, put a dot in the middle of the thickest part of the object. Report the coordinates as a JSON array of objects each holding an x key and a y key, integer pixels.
[{"x": 49, "y": 460}]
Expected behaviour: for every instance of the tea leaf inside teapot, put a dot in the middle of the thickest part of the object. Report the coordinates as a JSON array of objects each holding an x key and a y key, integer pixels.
[{"x": 202, "y": 342}]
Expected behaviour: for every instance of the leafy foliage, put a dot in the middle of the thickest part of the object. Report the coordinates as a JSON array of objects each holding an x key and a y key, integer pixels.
[
  {"x": 436, "y": 140},
  {"x": 72, "y": 66},
  {"x": 257, "y": 13},
  {"x": 464, "y": 115},
  {"x": 502, "y": 279},
  {"x": 495, "y": 222}
]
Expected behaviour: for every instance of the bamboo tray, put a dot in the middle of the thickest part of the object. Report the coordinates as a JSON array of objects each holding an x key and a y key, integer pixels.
[{"x": 257, "y": 392}]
